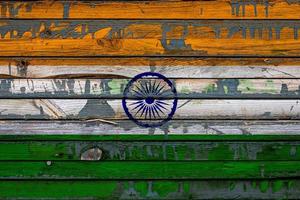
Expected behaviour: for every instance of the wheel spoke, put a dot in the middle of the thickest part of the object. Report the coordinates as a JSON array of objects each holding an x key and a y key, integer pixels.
[
  {"x": 139, "y": 109},
  {"x": 140, "y": 101},
  {"x": 161, "y": 102}
]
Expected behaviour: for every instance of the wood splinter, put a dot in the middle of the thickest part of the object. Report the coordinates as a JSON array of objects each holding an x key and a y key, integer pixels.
[{"x": 101, "y": 120}]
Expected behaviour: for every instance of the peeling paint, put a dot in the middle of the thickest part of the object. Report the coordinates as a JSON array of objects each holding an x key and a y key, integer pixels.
[{"x": 238, "y": 7}]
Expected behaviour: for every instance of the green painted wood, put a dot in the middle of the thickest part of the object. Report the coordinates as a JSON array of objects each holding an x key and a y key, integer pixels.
[
  {"x": 148, "y": 170},
  {"x": 213, "y": 189},
  {"x": 148, "y": 150}
]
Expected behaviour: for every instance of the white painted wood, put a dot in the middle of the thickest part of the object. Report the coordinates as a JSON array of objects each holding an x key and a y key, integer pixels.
[
  {"x": 112, "y": 109},
  {"x": 185, "y": 127}
]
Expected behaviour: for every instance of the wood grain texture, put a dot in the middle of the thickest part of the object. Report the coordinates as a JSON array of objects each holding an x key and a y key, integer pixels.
[
  {"x": 175, "y": 67},
  {"x": 114, "y": 88},
  {"x": 258, "y": 130},
  {"x": 139, "y": 170},
  {"x": 163, "y": 189},
  {"x": 112, "y": 109},
  {"x": 216, "y": 9},
  {"x": 149, "y": 38},
  {"x": 149, "y": 150}
]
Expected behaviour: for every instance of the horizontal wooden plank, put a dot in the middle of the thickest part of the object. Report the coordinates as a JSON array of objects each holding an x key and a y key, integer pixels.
[
  {"x": 170, "y": 67},
  {"x": 180, "y": 170},
  {"x": 149, "y": 38},
  {"x": 114, "y": 88},
  {"x": 126, "y": 129},
  {"x": 164, "y": 189},
  {"x": 149, "y": 150},
  {"x": 103, "y": 109},
  {"x": 216, "y": 9}
]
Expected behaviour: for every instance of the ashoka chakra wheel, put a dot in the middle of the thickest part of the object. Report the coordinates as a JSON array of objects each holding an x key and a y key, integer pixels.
[{"x": 150, "y": 99}]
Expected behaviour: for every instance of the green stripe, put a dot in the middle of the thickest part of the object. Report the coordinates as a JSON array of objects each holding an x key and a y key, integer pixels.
[
  {"x": 149, "y": 150},
  {"x": 149, "y": 170},
  {"x": 219, "y": 189}
]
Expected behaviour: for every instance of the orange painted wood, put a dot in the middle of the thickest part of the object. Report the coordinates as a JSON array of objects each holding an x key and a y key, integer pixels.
[
  {"x": 149, "y": 38},
  {"x": 215, "y": 9}
]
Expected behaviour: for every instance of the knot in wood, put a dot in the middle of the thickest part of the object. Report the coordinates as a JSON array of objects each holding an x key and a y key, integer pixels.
[{"x": 92, "y": 154}]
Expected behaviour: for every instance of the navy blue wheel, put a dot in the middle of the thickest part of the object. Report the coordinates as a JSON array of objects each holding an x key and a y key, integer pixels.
[{"x": 150, "y": 99}]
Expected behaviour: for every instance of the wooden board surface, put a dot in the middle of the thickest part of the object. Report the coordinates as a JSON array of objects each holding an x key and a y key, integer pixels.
[
  {"x": 149, "y": 150},
  {"x": 124, "y": 67},
  {"x": 139, "y": 170},
  {"x": 114, "y": 129},
  {"x": 112, "y": 109},
  {"x": 216, "y": 9},
  {"x": 63, "y": 69},
  {"x": 114, "y": 88},
  {"x": 163, "y": 189},
  {"x": 149, "y": 38}
]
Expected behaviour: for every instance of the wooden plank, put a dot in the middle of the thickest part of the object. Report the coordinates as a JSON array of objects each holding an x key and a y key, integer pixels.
[
  {"x": 149, "y": 150},
  {"x": 104, "y": 109},
  {"x": 179, "y": 170},
  {"x": 149, "y": 38},
  {"x": 216, "y": 9},
  {"x": 163, "y": 189},
  {"x": 114, "y": 88},
  {"x": 174, "y": 67},
  {"x": 119, "y": 129}
]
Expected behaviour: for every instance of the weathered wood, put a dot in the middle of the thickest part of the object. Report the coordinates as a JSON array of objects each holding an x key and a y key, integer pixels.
[
  {"x": 148, "y": 150},
  {"x": 112, "y": 109},
  {"x": 92, "y": 150},
  {"x": 174, "y": 67},
  {"x": 120, "y": 170},
  {"x": 149, "y": 38},
  {"x": 188, "y": 129},
  {"x": 197, "y": 189},
  {"x": 114, "y": 88},
  {"x": 216, "y": 9}
]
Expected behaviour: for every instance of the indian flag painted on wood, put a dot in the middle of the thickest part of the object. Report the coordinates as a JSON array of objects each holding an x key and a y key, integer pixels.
[{"x": 149, "y": 99}]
